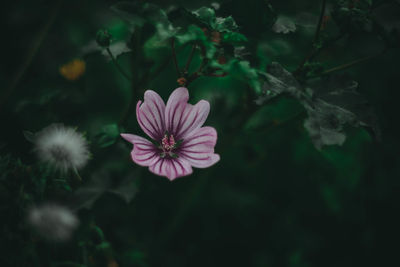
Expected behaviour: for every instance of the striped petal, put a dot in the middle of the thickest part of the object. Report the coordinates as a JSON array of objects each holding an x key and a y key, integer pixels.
[
  {"x": 182, "y": 118},
  {"x": 150, "y": 115},
  {"x": 144, "y": 153},
  {"x": 171, "y": 168},
  {"x": 175, "y": 108},
  {"x": 198, "y": 148}
]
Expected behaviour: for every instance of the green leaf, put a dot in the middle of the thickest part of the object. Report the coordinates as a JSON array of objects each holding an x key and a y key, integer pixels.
[
  {"x": 141, "y": 13},
  {"x": 241, "y": 70},
  {"x": 225, "y": 24},
  {"x": 234, "y": 38},
  {"x": 108, "y": 135},
  {"x": 194, "y": 34},
  {"x": 206, "y": 15},
  {"x": 331, "y": 103},
  {"x": 277, "y": 81},
  {"x": 336, "y": 103}
]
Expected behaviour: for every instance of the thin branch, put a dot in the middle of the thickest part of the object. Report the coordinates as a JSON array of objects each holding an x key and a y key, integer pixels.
[
  {"x": 351, "y": 63},
  {"x": 321, "y": 16},
  {"x": 114, "y": 60},
  {"x": 77, "y": 175},
  {"x": 190, "y": 58},
  {"x": 315, "y": 40},
  {"x": 174, "y": 57},
  {"x": 224, "y": 74},
  {"x": 198, "y": 72}
]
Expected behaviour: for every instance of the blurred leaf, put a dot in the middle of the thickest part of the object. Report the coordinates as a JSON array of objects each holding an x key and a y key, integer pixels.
[
  {"x": 353, "y": 16},
  {"x": 137, "y": 13},
  {"x": 241, "y": 70},
  {"x": 126, "y": 189},
  {"x": 234, "y": 38},
  {"x": 206, "y": 15},
  {"x": 29, "y": 136},
  {"x": 225, "y": 24},
  {"x": 325, "y": 123},
  {"x": 140, "y": 13},
  {"x": 284, "y": 25},
  {"x": 277, "y": 81},
  {"x": 108, "y": 135},
  {"x": 331, "y": 103},
  {"x": 103, "y": 182},
  {"x": 341, "y": 91},
  {"x": 194, "y": 34},
  {"x": 86, "y": 195}
]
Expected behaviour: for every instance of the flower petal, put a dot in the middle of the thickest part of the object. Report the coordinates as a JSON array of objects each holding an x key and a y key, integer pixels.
[
  {"x": 182, "y": 118},
  {"x": 150, "y": 115},
  {"x": 192, "y": 118},
  {"x": 144, "y": 153},
  {"x": 176, "y": 105},
  {"x": 171, "y": 168},
  {"x": 198, "y": 148}
]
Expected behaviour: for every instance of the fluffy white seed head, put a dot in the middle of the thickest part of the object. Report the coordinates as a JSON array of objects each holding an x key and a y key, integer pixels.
[
  {"x": 62, "y": 147},
  {"x": 53, "y": 222}
]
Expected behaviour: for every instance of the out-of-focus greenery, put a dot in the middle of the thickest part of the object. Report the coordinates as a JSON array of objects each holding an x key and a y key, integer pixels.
[{"x": 306, "y": 114}]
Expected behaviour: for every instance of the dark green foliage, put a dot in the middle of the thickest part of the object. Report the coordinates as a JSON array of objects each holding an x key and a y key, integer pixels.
[{"x": 307, "y": 125}]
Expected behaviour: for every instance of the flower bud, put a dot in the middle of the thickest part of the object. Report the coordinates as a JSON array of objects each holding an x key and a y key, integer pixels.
[{"x": 103, "y": 38}]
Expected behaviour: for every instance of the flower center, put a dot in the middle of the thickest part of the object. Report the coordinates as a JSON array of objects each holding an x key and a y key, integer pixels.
[{"x": 168, "y": 143}]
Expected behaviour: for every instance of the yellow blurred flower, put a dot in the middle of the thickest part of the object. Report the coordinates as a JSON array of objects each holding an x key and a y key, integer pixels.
[{"x": 73, "y": 70}]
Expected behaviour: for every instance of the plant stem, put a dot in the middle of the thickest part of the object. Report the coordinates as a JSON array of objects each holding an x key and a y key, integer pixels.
[
  {"x": 315, "y": 40},
  {"x": 98, "y": 232},
  {"x": 77, "y": 175},
  {"x": 224, "y": 74},
  {"x": 351, "y": 63},
  {"x": 142, "y": 82},
  {"x": 321, "y": 16},
  {"x": 190, "y": 58},
  {"x": 188, "y": 201},
  {"x": 174, "y": 57},
  {"x": 114, "y": 60},
  {"x": 197, "y": 73},
  {"x": 32, "y": 53}
]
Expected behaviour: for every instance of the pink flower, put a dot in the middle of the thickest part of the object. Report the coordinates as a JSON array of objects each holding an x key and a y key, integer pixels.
[{"x": 178, "y": 140}]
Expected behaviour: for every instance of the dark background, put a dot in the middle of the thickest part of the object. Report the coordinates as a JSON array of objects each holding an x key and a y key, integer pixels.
[{"x": 272, "y": 200}]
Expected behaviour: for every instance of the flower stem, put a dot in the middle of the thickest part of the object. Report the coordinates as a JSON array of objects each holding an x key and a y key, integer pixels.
[
  {"x": 114, "y": 60},
  {"x": 79, "y": 178},
  {"x": 174, "y": 57},
  {"x": 189, "y": 200},
  {"x": 31, "y": 54}
]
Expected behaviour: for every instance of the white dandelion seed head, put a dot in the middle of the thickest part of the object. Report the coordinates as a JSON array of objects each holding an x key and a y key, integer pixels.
[
  {"x": 62, "y": 147},
  {"x": 284, "y": 25},
  {"x": 53, "y": 222}
]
